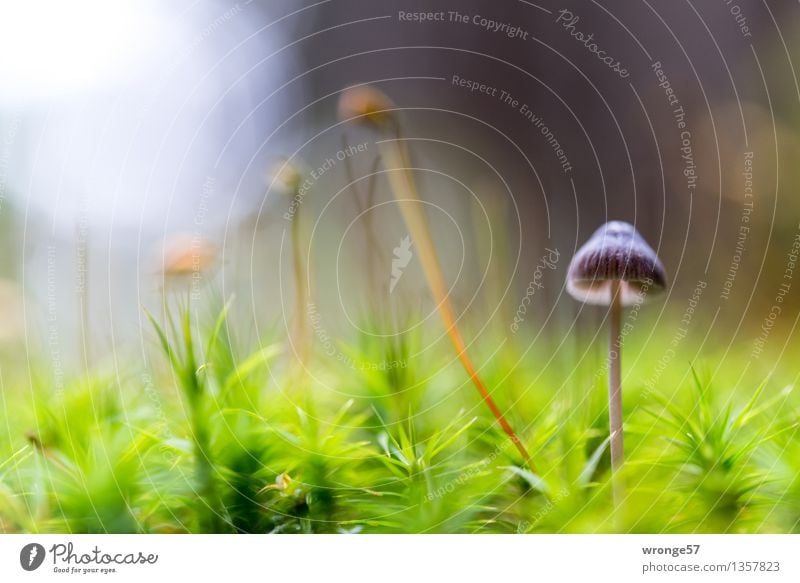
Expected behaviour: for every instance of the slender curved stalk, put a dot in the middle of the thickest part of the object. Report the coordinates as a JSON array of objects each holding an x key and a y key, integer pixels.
[{"x": 395, "y": 159}]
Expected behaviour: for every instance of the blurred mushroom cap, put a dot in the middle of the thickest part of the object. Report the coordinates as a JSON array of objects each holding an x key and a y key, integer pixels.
[
  {"x": 284, "y": 176},
  {"x": 187, "y": 255},
  {"x": 616, "y": 251},
  {"x": 367, "y": 105}
]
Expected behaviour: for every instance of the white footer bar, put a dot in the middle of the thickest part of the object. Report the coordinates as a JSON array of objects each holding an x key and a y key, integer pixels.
[{"x": 388, "y": 558}]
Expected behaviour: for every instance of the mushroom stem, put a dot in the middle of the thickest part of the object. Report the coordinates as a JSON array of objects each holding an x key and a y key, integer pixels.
[
  {"x": 301, "y": 293},
  {"x": 395, "y": 159},
  {"x": 615, "y": 380}
]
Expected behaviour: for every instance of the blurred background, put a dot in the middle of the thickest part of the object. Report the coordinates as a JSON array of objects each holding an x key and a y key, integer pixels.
[{"x": 136, "y": 141}]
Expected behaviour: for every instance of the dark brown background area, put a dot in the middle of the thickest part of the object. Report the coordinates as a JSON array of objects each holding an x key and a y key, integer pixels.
[{"x": 626, "y": 154}]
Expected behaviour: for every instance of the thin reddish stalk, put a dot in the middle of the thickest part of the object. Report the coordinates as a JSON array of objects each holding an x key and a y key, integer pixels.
[{"x": 405, "y": 192}]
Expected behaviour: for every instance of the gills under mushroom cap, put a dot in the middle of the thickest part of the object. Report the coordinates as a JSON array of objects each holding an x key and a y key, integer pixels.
[{"x": 616, "y": 251}]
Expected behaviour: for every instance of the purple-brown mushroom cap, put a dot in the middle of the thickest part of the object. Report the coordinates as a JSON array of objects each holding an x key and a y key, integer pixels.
[{"x": 616, "y": 251}]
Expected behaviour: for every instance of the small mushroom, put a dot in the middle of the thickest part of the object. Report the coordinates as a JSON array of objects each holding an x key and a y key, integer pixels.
[
  {"x": 287, "y": 178},
  {"x": 186, "y": 257},
  {"x": 284, "y": 176},
  {"x": 615, "y": 267},
  {"x": 368, "y": 105}
]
